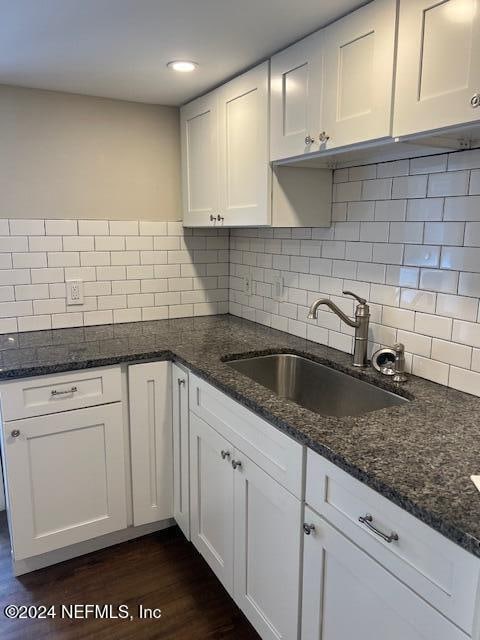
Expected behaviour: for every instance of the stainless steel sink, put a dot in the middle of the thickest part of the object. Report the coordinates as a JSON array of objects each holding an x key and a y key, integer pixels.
[{"x": 315, "y": 386}]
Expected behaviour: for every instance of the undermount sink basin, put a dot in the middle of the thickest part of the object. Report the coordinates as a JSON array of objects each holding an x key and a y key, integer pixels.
[{"x": 315, "y": 386}]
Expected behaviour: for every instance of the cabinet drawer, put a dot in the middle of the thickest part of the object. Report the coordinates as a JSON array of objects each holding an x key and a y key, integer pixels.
[
  {"x": 38, "y": 396},
  {"x": 273, "y": 451},
  {"x": 440, "y": 571}
]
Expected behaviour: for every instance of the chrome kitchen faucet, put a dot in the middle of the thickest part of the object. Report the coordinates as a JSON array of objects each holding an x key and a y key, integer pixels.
[{"x": 360, "y": 324}]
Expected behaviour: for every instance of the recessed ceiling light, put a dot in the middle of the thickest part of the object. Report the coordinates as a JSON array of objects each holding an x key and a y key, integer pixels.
[{"x": 182, "y": 65}]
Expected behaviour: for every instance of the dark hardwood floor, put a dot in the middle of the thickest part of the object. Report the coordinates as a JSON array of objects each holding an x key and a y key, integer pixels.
[{"x": 161, "y": 570}]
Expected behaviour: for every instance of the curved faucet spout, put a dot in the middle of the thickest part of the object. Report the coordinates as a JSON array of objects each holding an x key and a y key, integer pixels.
[{"x": 312, "y": 314}]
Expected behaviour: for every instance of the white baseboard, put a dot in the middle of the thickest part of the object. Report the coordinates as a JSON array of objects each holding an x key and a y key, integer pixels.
[{"x": 73, "y": 551}]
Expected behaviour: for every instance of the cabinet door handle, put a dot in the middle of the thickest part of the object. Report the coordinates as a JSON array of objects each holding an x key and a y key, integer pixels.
[
  {"x": 15, "y": 433},
  {"x": 309, "y": 140},
  {"x": 180, "y": 381},
  {"x": 225, "y": 454},
  {"x": 220, "y": 218},
  {"x": 54, "y": 392},
  {"x": 236, "y": 464},
  {"x": 475, "y": 100},
  {"x": 367, "y": 520},
  {"x": 308, "y": 528},
  {"x": 323, "y": 137}
]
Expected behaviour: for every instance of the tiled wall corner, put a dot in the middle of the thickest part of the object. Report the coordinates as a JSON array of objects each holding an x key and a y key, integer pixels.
[
  {"x": 406, "y": 236},
  {"x": 132, "y": 270}
]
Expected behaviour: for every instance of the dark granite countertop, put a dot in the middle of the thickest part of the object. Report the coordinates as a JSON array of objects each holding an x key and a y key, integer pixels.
[{"x": 419, "y": 454}]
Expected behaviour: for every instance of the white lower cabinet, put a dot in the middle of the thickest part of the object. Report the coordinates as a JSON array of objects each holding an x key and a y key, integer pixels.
[
  {"x": 244, "y": 522},
  {"x": 267, "y": 551},
  {"x": 181, "y": 449},
  {"x": 347, "y": 594},
  {"x": 211, "y": 493},
  {"x": 65, "y": 478},
  {"x": 151, "y": 441}
]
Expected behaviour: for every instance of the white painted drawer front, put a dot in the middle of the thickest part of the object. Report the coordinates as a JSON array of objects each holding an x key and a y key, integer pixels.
[
  {"x": 273, "y": 451},
  {"x": 65, "y": 478},
  {"x": 434, "y": 567},
  {"x": 40, "y": 395}
]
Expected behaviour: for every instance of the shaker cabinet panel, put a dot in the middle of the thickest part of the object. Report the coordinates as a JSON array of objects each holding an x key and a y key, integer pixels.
[
  {"x": 211, "y": 499},
  {"x": 267, "y": 552},
  {"x": 359, "y": 63},
  {"x": 347, "y": 594},
  {"x": 151, "y": 441},
  {"x": 438, "y": 70},
  {"x": 199, "y": 143},
  {"x": 65, "y": 478},
  {"x": 181, "y": 449},
  {"x": 245, "y": 189},
  {"x": 296, "y": 98}
]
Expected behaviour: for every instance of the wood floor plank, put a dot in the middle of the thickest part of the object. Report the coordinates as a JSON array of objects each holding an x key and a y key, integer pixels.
[{"x": 161, "y": 570}]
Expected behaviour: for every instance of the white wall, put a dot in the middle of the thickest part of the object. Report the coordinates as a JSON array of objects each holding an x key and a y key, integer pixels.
[
  {"x": 406, "y": 236},
  {"x": 71, "y": 156}
]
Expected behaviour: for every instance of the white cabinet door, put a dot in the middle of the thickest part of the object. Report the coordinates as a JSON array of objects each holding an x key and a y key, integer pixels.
[
  {"x": 199, "y": 142},
  {"x": 211, "y": 499},
  {"x": 296, "y": 98},
  {"x": 66, "y": 478},
  {"x": 181, "y": 448},
  {"x": 245, "y": 174},
  {"x": 359, "y": 65},
  {"x": 267, "y": 552},
  {"x": 347, "y": 594},
  {"x": 438, "y": 68},
  {"x": 151, "y": 441}
]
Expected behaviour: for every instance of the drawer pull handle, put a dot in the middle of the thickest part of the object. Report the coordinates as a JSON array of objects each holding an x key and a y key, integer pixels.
[
  {"x": 367, "y": 520},
  {"x": 236, "y": 464},
  {"x": 308, "y": 528},
  {"x": 15, "y": 433},
  {"x": 225, "y": 454},
  {"x": 55, "y": 393}
]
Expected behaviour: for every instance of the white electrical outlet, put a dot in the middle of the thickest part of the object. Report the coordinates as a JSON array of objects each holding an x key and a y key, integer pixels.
[
  {"x": 278, "y": 287},
  {"x": 74, "y": 292},
  {"x": 247, "y": 284}
]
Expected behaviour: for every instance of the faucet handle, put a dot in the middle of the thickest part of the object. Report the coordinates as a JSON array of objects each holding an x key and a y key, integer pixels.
[{"x": 354, "y": 295}]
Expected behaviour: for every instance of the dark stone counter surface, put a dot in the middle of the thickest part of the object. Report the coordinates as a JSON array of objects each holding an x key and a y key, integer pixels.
[{"x": 419, "y": 454}]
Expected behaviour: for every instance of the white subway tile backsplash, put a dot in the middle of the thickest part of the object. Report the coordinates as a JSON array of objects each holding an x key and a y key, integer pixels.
[
  {"x": 427, "y": 209},
  {"x": 450, "y": 183},
  {"x": 429, "y": 164},
  {"x": 439, "y": 280},
  {"x": 379, "y": 189},
  {"x": 122, "y": 271},
  {"x": 447, "y": 233},
  {"x": 461, "y": 259},
  {"x": 409, "y": 187},
  {"x": 422, "y": 255},
  {"x": 466, "y": 208},
  {"x": 459, "y": 307}
]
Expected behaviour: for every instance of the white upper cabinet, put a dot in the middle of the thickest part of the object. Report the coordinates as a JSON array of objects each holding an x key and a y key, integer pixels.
[
  {"x": 244, "y": 181},
  {"x": 438, "y": 66},
  {"x": 359, "y": 63},
  {"x": 296, "y": 98},
  {"x": 199, "y": 131},
  {"x": 225, "y": 153}
]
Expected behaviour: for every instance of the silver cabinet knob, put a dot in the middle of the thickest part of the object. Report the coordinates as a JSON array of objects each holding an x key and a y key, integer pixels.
[
  {"x": 475, "y": 100},
  {"x": 308, "y": 528},
  {"x": 220, "y": 218},
  {"x": 323, "y": 137},
  {"x": 225, "y": 454},
  {"x": 212, "y": 218},
  {"x": 180, "y": 381},
  {"x": 236, "y": 464},
  {"x": 15, "y": 433},
  {"x": 309, "y": 140}
]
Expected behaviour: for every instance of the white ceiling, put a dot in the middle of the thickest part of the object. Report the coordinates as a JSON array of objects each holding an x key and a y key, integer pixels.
[{"x": 119, "y": 48}]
